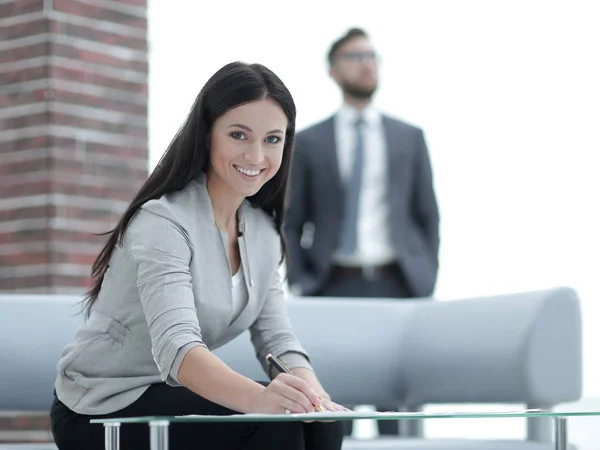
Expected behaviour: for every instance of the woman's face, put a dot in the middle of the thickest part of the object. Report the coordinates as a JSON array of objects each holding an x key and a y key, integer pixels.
[{"x": 246, "y": 146}]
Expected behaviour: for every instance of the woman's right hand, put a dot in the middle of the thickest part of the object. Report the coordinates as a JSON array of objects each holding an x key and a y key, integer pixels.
[{"x": 286, "y": 392}]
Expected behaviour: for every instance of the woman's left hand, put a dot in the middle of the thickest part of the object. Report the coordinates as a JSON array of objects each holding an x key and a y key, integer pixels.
[
  {"x": 310, "y": 377},
  {"x": 330, "y": 406},
  {"x": 333, "y": 406}
]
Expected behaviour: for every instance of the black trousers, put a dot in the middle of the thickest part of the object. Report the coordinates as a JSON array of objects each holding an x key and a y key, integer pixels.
[
  {"x": 352, "y": 283},
  {"x": 73, "y": 431}
]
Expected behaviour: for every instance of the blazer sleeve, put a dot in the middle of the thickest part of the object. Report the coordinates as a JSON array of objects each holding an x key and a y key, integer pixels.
[
  {"x": 425, "y": 207},
  {"x": 161, "y": 254},
  {"x": 272, "y": 332}
]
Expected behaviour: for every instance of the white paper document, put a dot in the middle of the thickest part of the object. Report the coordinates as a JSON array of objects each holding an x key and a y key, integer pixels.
[{"x": 330, "y": 415}]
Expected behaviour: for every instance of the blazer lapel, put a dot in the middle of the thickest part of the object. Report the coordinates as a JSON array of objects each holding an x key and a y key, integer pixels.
[
  {"x": 249, "y": 309},
  {"x": 330, "y": 156},
  {"x": 244, "y": 242},
  {"x": 397, "y": 159}
]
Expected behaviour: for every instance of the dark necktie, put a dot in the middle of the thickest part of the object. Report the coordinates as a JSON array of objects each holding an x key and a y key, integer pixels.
[{"x": 349, "y": 231}]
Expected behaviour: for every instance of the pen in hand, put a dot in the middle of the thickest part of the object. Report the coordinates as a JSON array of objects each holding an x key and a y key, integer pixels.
[{"x": 282, "y": 368}]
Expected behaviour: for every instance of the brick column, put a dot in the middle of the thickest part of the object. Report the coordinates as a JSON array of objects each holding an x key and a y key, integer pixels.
[{"x": 73, "y": 134}]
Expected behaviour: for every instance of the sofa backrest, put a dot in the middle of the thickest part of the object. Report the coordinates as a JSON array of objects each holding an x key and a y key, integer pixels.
[
  {"x": 354, "y": 347},
  {"x": 515, "y": 348}
]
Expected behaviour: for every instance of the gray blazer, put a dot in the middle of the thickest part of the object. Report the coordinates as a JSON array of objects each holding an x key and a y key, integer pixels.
[
  {"x": 317, "y": 198},
  {"x": 168, "y": 289}
]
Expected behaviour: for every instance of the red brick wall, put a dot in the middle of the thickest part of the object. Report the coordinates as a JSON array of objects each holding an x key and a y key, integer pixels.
[{"x": 73, "y": 134}]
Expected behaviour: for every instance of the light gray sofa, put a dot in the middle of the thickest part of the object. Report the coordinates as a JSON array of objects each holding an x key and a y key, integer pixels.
[{"x": 522, "y": 348}]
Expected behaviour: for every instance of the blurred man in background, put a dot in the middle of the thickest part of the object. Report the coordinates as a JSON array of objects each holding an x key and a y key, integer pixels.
[{"x": 363, "y": 217}]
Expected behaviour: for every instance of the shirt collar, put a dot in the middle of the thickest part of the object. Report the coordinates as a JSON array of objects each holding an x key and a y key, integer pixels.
[{"x": 348, "y": 115}]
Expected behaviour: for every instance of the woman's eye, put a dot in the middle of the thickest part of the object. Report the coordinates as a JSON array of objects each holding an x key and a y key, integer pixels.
[
  {"x": 273, "y": 139},
  {"x": 238, "y": 135}
]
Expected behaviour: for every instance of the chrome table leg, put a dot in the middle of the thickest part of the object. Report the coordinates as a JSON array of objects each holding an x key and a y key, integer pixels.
[
  {"x": 560, "y": 433},
  {"x": 159, "y": 435},
  {"x": 111, "y": 436}
]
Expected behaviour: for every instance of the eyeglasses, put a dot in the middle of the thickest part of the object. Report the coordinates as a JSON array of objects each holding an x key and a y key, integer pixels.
[{"x": 359, "y": 56}]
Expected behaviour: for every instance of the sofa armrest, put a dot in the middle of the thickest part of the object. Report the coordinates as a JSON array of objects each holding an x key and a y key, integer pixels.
[{"x": 519, "y": 348}]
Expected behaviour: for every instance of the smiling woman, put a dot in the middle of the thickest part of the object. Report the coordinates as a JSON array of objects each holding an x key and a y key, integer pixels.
[{"x": 193, "y": 263}]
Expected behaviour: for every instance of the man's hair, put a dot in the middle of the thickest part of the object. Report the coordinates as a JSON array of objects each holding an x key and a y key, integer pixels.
[{"x": 350, "y": 34}]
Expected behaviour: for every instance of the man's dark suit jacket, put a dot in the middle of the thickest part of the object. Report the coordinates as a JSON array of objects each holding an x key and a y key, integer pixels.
[{"x": 316, "y": 201}]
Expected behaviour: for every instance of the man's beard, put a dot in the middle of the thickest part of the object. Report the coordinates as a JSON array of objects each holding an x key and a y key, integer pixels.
[{"x": 358, "y": 92}]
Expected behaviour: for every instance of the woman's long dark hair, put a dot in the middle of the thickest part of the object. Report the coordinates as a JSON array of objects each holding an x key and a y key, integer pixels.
[{"x": 188, "y": 153}]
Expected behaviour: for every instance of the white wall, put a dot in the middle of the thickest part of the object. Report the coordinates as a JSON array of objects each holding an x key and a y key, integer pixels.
[{"x": 508, "y": 94}]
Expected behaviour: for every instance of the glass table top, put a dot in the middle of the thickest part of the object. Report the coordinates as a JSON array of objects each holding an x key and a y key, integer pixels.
[{"x": 351, "y": 415}]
